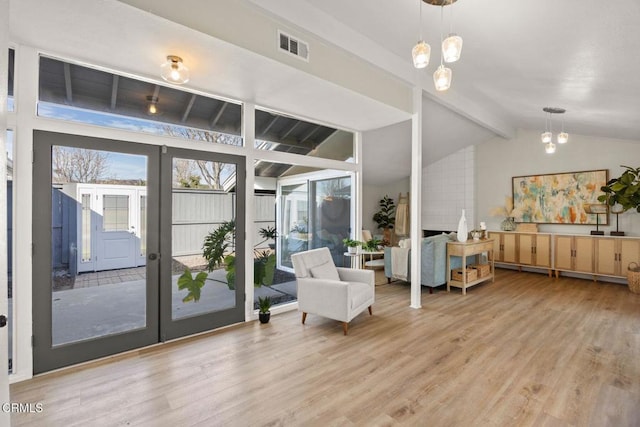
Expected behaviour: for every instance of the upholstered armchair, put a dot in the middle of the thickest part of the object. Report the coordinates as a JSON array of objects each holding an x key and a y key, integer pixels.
[{"x": 329, "y": 291}]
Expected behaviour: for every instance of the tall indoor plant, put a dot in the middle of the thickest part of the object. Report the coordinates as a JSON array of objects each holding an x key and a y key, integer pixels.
[{"x": 386, "y": 216}]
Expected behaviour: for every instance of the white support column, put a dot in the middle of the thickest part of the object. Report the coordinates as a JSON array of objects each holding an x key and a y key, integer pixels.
[
  {"x": 356, "y": 186},
  {"x": 416, "y": 197},
  {"x": 249, "y": 136},
  {"x": 26, "y": 98},
  {"x": 4, "y": 332}
]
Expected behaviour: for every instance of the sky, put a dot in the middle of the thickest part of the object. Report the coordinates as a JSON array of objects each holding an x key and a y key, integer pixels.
[{"x": 121, "y": 166}]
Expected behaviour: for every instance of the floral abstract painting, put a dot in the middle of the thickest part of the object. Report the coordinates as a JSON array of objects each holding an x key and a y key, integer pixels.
[{"x": 558, "y": 198}]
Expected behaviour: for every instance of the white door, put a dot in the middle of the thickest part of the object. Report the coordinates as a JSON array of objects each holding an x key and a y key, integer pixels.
[{"x": 116, "y": 240}]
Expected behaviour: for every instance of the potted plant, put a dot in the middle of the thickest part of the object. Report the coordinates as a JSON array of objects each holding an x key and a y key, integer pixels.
[
  {"x": 372, "y": 245},
  {"x": 385, "y": 217},
  {"x": 220, "y": 241},
  {"x": 269, "y": 233},
  {"x": 624, "y": 190},
  {"x": 352, "y": 245},
  {"x": 264, "y": 304}
]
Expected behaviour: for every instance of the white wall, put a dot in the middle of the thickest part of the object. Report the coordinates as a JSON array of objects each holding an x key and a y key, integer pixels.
[
  {"x": 498, "y": 160},
  {"x": 371, "y": 195},
  {"x": 448, "y": 186}
]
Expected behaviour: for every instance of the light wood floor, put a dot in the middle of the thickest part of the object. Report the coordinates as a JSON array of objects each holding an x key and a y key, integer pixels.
[{"x": 525, "y": 350}]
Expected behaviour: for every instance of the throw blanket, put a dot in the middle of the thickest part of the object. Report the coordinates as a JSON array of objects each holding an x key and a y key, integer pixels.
[
  {"x": 402, "y": 219},
  {"x": 399, "y": 263}
]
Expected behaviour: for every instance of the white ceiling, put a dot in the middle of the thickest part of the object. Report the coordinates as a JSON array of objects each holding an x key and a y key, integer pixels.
[{"x": 518, "y": 57}]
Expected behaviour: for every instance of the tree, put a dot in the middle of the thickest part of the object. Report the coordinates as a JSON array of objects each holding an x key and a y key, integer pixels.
[
  {"x": 72, "y": 164},
  {"x": 211, "y": 172}
]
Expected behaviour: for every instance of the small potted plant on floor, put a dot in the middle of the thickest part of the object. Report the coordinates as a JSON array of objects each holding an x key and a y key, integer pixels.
[
  {"x": 264, "y": 304},
  {"x": 352, "y": 245}
]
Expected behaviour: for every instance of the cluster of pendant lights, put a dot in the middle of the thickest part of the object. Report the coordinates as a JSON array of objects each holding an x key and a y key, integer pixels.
[
  {"x": 547, "y": 136},
  {"x": 451, "y": 49}
]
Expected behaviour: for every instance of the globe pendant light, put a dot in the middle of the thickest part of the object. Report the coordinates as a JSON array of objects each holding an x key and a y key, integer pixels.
[
  {"x": 563, "y": 137},
  {"x": 546, "y": 136},
  {"x": 452, "y": 45},
  {"x": 451, "y": 48},
  {"x": 443, "y": 76},
  {"x": 421, "y": 52},
  {"x": 550, "y": 148}
]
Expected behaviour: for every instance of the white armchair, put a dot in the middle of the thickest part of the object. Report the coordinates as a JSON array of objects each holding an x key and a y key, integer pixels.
[{"x": 329, "y": 291}]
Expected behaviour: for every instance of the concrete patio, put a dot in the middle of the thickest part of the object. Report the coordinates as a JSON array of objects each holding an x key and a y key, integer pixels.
[{"x": 109, "y": 302}]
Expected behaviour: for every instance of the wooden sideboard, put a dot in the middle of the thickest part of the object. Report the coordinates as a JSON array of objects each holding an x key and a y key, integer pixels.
[{"x": 576, "y": 253}]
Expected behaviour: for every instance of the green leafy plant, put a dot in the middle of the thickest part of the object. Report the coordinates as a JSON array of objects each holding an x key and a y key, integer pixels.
[
  {"x": 624, "y": 190},
  {"x": 385, "y": 217},
  {"x": 350, "y": 243},
  {"x": 264, "y": 304},
  {"x": 192, "y": 285},
  {"x": 372, "y": 245},
  {"x": 268, "y": 233},
  {"x": 217, "y": 242},
  {"x": 220, "y": 241}
]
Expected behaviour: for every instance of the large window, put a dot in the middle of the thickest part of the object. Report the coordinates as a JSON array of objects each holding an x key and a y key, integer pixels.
[
  {"x": 81, "y": 94},
  {"x": 277, "y": 132},
  {"x": 315, "y": 212}
]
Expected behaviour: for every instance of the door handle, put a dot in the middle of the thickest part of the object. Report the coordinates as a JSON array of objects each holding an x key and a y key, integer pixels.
[
  {"x": 153, "y": 256},
  {"x": 3, "y": 320}
]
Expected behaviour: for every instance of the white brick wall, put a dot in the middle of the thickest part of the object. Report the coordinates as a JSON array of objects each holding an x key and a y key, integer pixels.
[{"x": 448, "y": 186}]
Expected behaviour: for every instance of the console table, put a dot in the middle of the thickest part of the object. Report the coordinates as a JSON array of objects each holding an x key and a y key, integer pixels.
[{"x": 465, "y": 249}]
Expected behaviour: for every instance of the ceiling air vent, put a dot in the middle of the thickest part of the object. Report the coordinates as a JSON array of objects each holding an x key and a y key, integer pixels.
[{"x": 293, "y": 46}]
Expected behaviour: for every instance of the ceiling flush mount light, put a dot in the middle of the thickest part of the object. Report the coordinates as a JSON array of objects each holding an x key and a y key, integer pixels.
[
  {"x": 547, "y": 136},
  {"x": 152, "y": 106},
  {"x": 174, "y": 71},
  {"x": 451, "y": 49}
]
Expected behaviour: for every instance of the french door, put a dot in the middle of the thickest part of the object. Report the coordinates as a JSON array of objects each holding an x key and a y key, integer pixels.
[{"x": 117, "y": 229}]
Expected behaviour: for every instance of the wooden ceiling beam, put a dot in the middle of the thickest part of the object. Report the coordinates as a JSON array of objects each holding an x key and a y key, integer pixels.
[
  {"x": 214, "y": 122},
  {"x": 188, "y": 108},
  {"x": 114, "y": 90},
  {"x": 67, "y": 83}
]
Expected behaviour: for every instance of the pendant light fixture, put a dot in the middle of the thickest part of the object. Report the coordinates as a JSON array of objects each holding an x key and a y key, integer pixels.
[
  {"x": 547, "y": 136},
  {"x": 442, "y": 77},
  {"x": 563, "y": 137},
  {"x": 152, "y": 105},
  {"x": 174, "y": 71},
  {"x": 421, "y": 51},
  {"x": 452, "y": 45}
]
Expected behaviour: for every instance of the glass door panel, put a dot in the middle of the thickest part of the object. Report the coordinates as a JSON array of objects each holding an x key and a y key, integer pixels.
[
  {"x": 92, "y": 296},
  {"x": 294, "y": 214},
  {"x": 330, "y": 219},
  {"x": 206, "y": 269},
  {"x": 200, "y": 208}
]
